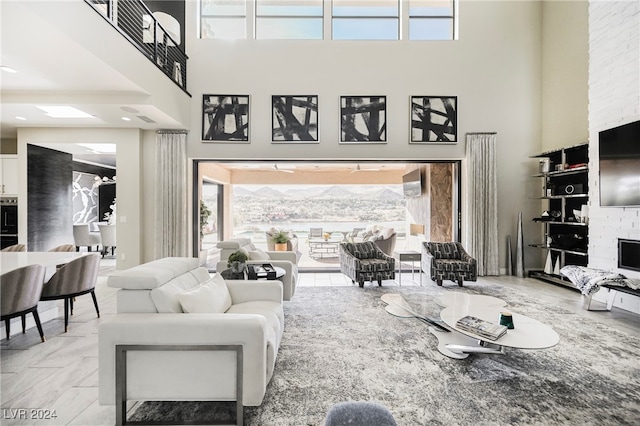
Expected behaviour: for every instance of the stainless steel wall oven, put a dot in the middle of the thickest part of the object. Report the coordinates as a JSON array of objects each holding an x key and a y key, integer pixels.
[{"x": 8, "y": 221}]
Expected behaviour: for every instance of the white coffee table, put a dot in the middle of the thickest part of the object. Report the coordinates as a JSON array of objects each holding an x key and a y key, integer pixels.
[{"x": 528, "y": 333}]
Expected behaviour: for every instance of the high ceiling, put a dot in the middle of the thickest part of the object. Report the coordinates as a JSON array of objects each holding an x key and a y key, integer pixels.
[{"x": 52, "y": 68}]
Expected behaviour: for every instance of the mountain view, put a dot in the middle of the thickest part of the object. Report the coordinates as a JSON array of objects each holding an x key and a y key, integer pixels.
[{"x": 298, "y": 207}]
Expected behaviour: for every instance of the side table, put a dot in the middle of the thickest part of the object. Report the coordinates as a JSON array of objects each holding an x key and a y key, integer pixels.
[
  {"x": 227, "y": 274},
  {"x": 408, "y": 256}
]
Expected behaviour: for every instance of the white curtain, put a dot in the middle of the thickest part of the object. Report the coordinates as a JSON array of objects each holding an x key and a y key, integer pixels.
[
  {"x": 171, "y": 195},
  {"x": 482, "y": 232}
]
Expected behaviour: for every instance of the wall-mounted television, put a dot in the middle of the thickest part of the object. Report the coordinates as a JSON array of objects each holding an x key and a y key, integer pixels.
[
  {"x": 412, "y": 184},
  {"x": 619, "y": 160}
]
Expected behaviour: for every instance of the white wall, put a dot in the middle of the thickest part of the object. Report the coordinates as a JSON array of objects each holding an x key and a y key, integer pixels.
[
  {"x": 494, "y": 69},
  {"x": 565, "y": 65},
  {"x": 614, "y": 99}
]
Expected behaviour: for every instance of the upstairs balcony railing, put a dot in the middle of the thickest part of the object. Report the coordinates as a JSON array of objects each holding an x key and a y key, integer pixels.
[{"x": 156, "y": 34}]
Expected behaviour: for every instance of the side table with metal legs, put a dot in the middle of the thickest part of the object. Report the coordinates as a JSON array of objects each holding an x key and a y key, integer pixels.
[{"x": 408, "y": 256}]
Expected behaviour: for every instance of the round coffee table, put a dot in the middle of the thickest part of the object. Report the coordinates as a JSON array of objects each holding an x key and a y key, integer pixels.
[{"x": 528, "y": 333}]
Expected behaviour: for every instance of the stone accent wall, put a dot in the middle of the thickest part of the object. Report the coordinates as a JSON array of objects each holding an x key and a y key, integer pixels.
[
  {"x": 441, "y": 190},
  {"x": 614, "y": 99}
]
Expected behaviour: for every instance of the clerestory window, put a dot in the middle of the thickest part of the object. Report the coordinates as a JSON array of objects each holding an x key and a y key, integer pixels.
[
  {"x": 289, "y": 19},
  {"x": 365, "y": 20},
  {"x": 225, "y": 19},
  {"x": 347, "y": 19},
  {"x": 431, "y": 19}
]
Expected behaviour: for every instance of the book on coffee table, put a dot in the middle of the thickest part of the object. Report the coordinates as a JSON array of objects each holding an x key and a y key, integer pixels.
[{"x": 480, "y": 327}]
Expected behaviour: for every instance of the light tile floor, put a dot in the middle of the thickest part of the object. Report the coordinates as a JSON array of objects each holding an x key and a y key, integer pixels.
[{"x": 62, "y": 373}]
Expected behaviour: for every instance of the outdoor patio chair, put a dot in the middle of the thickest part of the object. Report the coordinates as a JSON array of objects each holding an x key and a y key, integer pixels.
[{"x": 315, "y": 233}]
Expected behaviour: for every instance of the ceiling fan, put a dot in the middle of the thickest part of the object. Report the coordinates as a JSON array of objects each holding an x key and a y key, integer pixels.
[
  {"x": 359, "y": 169},
  {"x": 275, "y": 167}
]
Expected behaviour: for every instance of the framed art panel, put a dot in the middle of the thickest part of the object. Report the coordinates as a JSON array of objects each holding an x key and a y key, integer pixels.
[
  {"x": 363, "y": 119},
  {"x": 225, "y": 118},
  {"x": 294, "y": 119},
  {"x": 434, "y": 119}
]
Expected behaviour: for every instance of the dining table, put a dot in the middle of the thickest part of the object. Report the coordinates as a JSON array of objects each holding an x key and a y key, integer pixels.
[{"x": 47, "y": 310}]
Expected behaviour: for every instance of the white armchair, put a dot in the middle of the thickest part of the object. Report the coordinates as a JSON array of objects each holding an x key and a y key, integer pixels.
[{"x": 287, "y": 260}]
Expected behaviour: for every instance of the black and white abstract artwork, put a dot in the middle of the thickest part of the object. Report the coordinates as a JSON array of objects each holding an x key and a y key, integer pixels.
[
  {"x": 434, "y": 119},
  {"x": 85, "y": 198},
  {"x": 294, "y": 119},
  {"x": 225, "y": 118},
  {"x": 363, "y": 119}
]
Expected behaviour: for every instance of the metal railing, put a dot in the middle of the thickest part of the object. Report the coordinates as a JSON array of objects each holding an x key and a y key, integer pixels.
[{"x": 155, "y": 34}]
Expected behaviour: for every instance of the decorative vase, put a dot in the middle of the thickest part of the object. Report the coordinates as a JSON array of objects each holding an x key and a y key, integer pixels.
[
  {"x": 237, "y": 267},
  {"x": 548, "y": 266},
  {"x": 556, "y": 267},
  {"x": 509, "y": 258},
  {"x": 520, "y": 249},
  {"x": 280, "y": 246}
]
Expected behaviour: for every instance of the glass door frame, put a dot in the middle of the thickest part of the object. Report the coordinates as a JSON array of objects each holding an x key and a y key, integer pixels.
[
  {"x": 456, "y": 196},
  {"x": 196, "y": 197}
]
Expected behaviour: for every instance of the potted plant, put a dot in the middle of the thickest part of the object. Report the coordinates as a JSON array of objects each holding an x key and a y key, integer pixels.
[
  {"x": 205, "y": 213},
  {"x": 237, "y": 261},
  {"x": 280, "y": 239}
]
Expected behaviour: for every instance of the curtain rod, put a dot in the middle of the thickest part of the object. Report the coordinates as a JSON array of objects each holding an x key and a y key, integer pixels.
[
  {"x": 481, "y": 133},
  {"x": 172, "y": 131}
]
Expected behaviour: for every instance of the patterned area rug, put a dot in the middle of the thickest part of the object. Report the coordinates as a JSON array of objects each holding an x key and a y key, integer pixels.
[{"x": 341, "y": 345}]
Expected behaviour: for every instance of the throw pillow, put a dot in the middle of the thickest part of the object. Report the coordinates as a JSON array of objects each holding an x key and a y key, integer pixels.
[
  {"x": 212, "y": 297},
  {"x": 386, "y": 233},
  {"x": 258, "y": 254}
]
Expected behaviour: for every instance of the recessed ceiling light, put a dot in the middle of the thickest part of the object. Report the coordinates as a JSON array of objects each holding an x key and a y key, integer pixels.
[
  {"x": 64, "y": 111},
  {"x": 126, "y": 119},
  {"x": 100, "y": 148},
  {"x": 7, "y": 69},
  {"x": 20, "y": 118}
]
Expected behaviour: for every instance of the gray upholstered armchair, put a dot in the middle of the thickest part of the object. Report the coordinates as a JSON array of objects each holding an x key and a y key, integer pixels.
[
  {"x": 448, "y": 261},
  {"x": 366, "y": 262},
  {"x": 20, "y": 291},
  {"x": 73, "y": 279}
]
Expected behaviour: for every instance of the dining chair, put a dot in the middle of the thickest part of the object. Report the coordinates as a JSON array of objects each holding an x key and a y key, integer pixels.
[
  {"x": 73, "y": 279},
  {"x": 108, "y": 238},
  {"x": 82, "y": 237},
  {"x": 64, "y": 248},
  {"x": 20, "y": 292},
  {"x": 15, "y": 247}
]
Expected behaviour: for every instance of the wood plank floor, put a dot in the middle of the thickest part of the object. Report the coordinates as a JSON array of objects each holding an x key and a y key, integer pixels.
[{"x": 62, "y": 373}]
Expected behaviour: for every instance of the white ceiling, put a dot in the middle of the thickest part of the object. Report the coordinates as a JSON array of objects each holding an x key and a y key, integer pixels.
[{"x": 54, "y": 69}]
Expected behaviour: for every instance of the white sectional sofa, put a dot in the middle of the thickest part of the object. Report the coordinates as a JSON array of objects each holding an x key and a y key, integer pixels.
[
  {"x": 287, "y": 260},
  {"x": 151, "y": 304}
]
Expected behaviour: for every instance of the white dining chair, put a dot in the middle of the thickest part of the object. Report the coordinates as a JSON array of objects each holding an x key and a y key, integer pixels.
[
  {"x": 108, "y": 237},
  {"x": 83, "y": 238}
]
